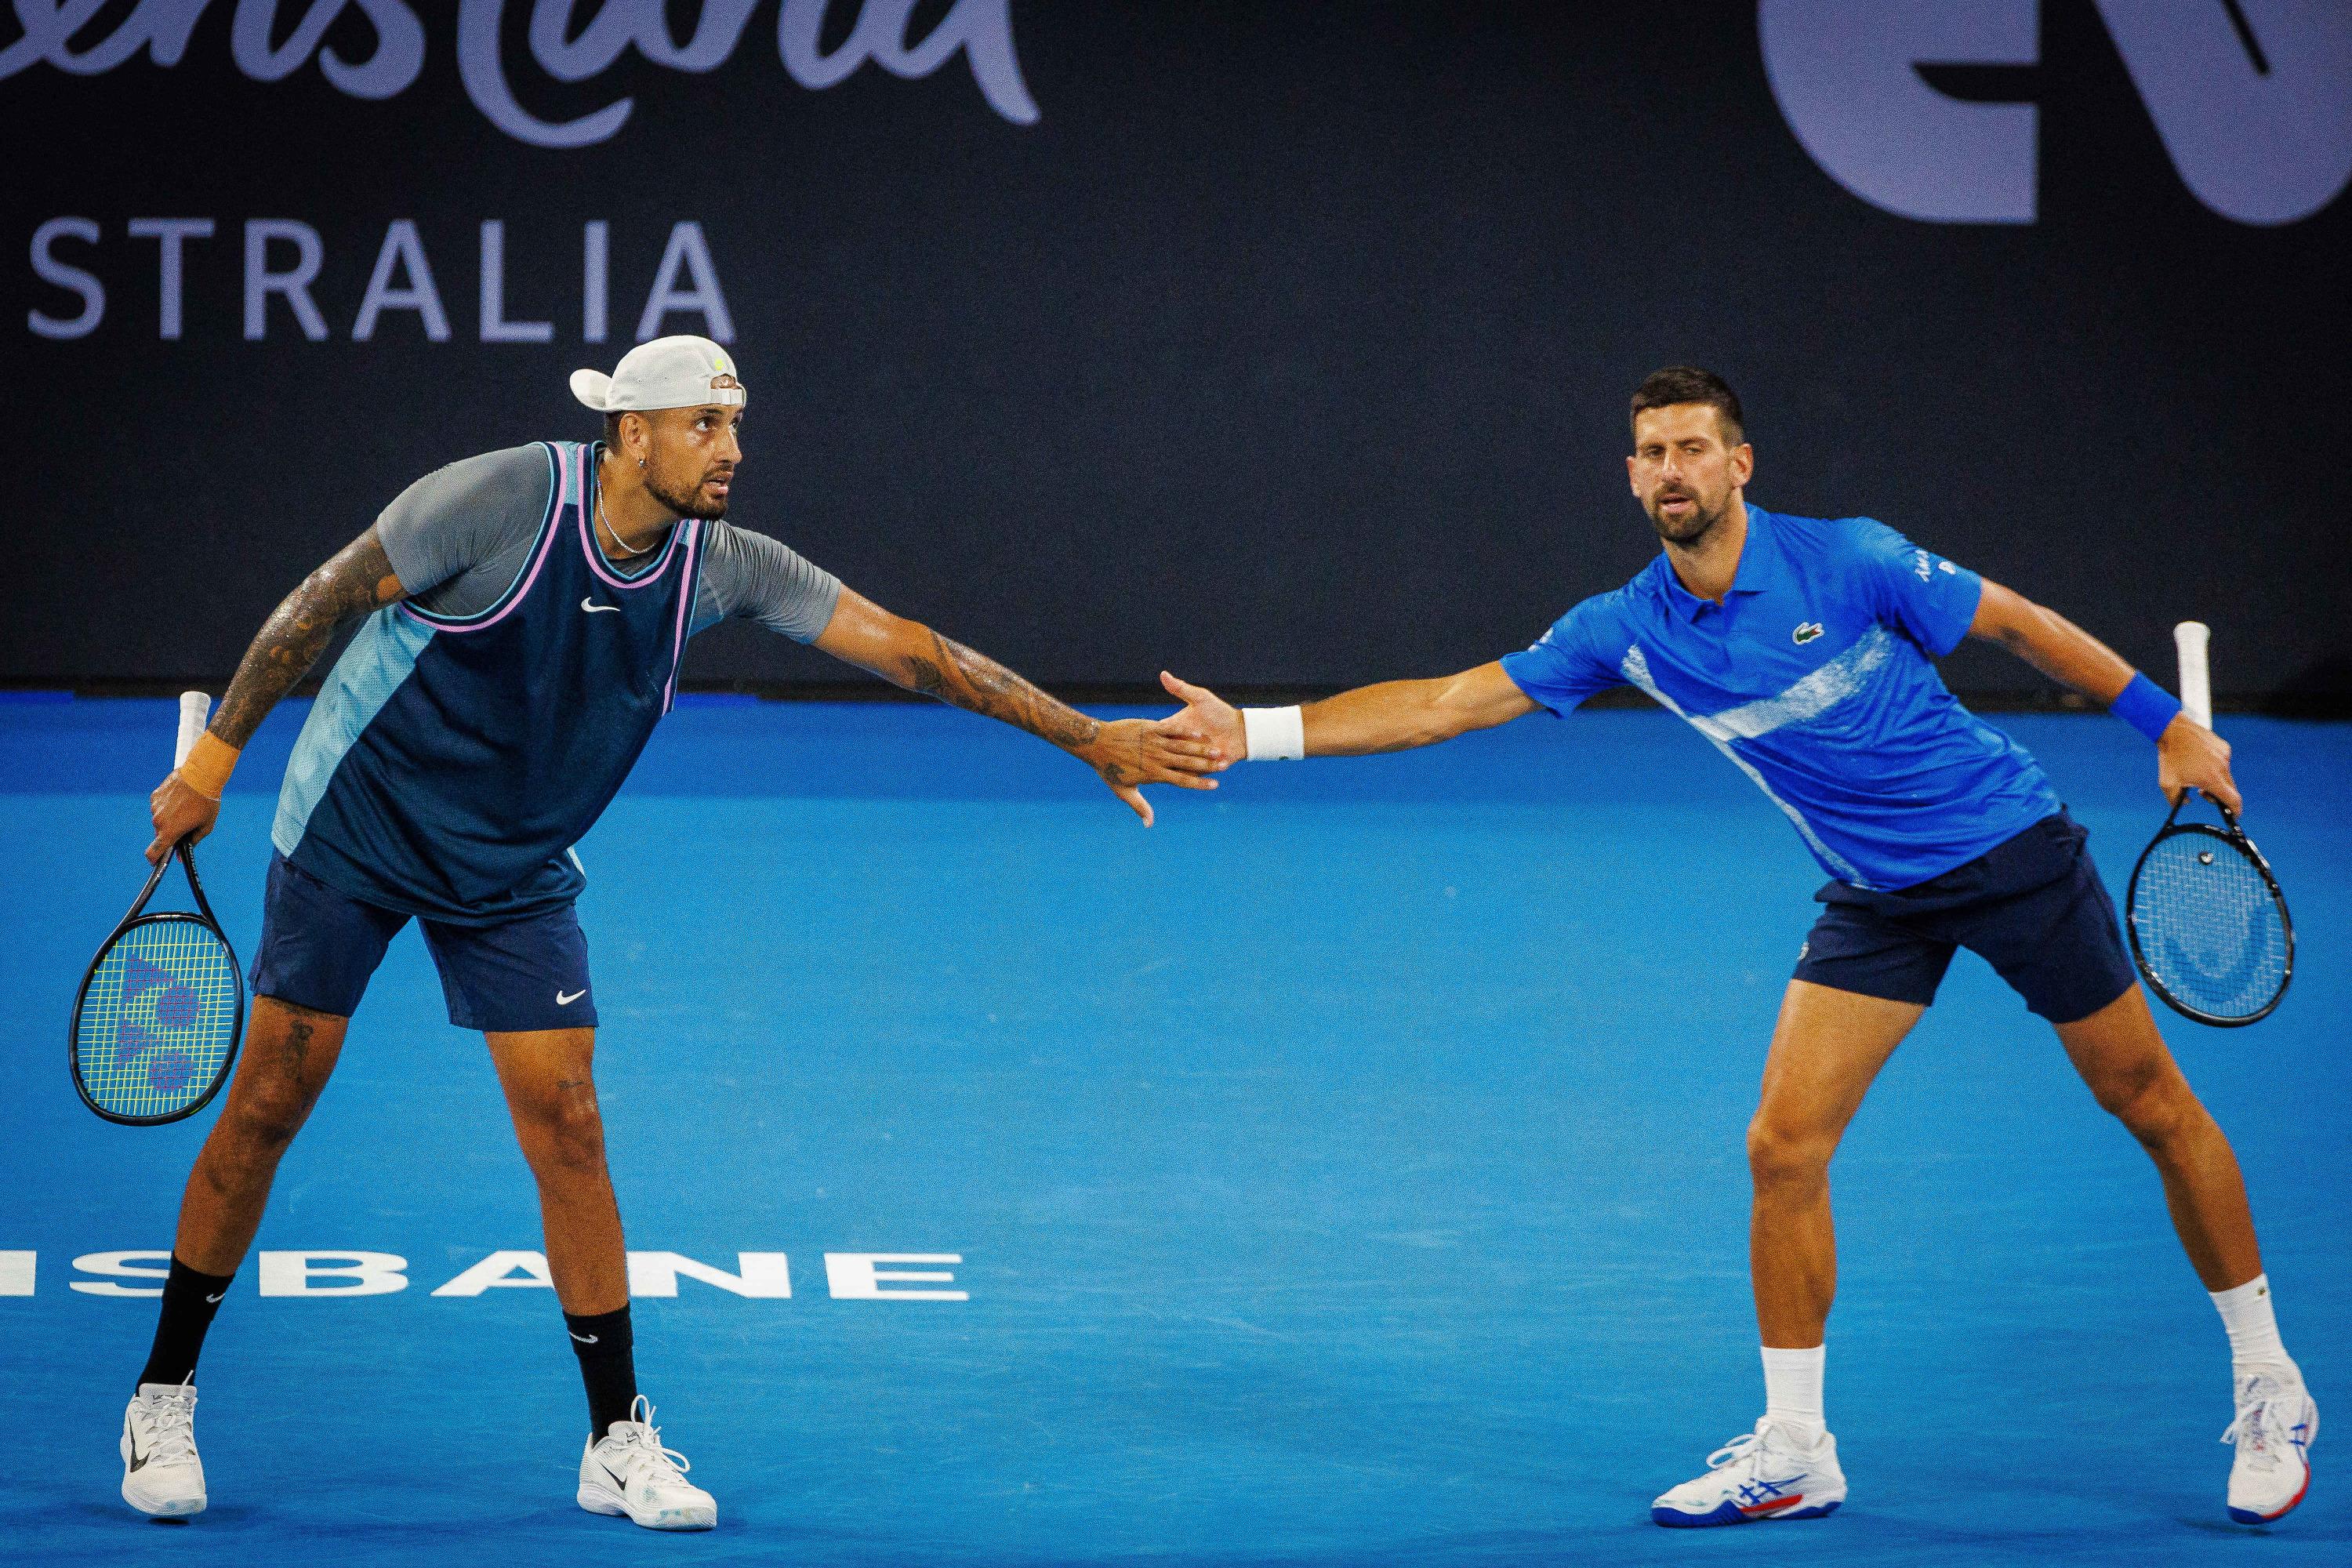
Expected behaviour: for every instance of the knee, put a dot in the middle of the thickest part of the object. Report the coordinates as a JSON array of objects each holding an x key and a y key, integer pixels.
[
  {"x": 1782, "y": 1156},
  {"x": 2155, "y": 1105},
  {"x": 562, "y": 1130},
  {"x": 265, "y": 1118}
]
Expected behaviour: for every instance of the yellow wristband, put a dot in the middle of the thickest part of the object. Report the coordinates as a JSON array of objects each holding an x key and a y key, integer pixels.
[{"x": 210, "y": 762}]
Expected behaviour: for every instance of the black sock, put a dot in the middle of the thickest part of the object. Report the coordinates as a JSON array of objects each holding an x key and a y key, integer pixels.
[
  {"x": 608, "y": 1366},
  {"x": 190, "y": 1300}
]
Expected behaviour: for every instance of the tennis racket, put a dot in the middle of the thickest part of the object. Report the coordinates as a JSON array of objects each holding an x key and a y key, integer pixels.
[
  {"x": 2209, "y": 926},
  {"x": 157, "y": 1020}
]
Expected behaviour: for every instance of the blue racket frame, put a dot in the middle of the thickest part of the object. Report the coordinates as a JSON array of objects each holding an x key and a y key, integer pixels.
[{"x": 131, "y": 923}]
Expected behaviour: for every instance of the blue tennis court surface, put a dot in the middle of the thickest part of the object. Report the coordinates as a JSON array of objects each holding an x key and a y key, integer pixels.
[{"x": 1347, "y": 1171}]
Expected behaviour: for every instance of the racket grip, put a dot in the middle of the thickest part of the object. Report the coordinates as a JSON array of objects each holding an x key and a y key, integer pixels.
[
  {"x": 193, "y": 707},
  {"x": 2190, "y": 639}
]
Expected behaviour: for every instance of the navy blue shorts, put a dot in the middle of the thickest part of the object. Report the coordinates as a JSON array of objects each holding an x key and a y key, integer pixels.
[
  {"x": 2032, "y": 906},
  {"x": 320, "y": 945}
]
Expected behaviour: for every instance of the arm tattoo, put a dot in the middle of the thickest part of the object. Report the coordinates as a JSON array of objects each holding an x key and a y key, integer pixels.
[
  {"x": 977, "y": 683},
  {"x": 358, "y": 580}
]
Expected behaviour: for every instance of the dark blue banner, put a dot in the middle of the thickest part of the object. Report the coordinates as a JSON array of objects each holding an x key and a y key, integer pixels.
[{"x": 1277, "y": 344}]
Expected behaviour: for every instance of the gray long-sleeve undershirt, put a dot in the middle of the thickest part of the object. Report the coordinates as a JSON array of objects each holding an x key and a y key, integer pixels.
[{"x": 458, "y": 537}]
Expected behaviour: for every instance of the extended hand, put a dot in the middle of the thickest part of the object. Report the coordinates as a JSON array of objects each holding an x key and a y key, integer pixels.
[
  {"x": 1132, "y": 753},
  {"x": 179, "y": 813},
  {"x": 1208, "y": 717},
  {"x": 2190, "y": 756}
]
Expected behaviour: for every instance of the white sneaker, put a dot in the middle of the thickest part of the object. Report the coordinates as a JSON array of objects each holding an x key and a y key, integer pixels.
[
  {"x": 2275, "y": 1427},
  {"x": 628, "y": 1471},
  {"x": 161, "y": 1476},
  {"x": 1769, "y": 1473}
]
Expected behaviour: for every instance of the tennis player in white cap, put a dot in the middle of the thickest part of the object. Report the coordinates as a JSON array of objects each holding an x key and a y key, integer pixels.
[{"x": 523, "y": 617}]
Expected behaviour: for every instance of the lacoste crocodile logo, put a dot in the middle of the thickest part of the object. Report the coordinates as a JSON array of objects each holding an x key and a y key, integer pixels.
[{"x": 1806, "y": 633}]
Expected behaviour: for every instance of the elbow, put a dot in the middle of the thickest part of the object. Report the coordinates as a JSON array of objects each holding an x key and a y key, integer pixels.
[
  {"x": 2017, "y": 639},
  {"x": 2035, "y": 631},
  {"x": 2015, "y": 622},
  {"x": 306, "y": 610},
  {"x": 919, "y": 660}
]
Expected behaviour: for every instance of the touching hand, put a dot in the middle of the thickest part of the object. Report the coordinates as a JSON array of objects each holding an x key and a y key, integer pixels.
[
  {"x": 179, "y": 813},
  {"x": 2190, "y": 756},
  {"x": 1132, "y": 753},
  {"x": 1206, "y": 717}
]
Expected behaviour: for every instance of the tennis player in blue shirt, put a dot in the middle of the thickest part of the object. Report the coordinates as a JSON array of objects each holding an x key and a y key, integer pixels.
[{"x": 1802, "y": 648}]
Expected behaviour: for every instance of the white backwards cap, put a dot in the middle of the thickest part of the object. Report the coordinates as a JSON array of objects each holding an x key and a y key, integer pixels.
[{"x": 683, "y": 372}]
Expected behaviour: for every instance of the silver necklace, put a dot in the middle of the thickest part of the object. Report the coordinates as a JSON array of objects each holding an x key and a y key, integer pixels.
[{"x": 606, "y": 523}]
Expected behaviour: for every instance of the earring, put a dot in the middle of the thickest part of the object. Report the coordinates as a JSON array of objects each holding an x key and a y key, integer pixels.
[{"x": 641, "y": 462}]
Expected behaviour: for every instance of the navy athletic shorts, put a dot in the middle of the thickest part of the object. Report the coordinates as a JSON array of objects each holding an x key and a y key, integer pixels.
[
  {"x": 320, "y": 945},
  {"x": 2032, "y": 906}
]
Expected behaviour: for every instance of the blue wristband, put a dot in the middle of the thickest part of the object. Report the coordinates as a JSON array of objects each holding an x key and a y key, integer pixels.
[{"x": 2145, "y": 707}]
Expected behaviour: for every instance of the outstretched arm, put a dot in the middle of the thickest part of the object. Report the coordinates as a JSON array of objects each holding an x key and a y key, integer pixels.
[
  {"x": 2189, "y": 755},
  {"x": 357, "y": 580},
  {"x": 1393, "y": 716},
  {"x": 1127, "y": 752}
]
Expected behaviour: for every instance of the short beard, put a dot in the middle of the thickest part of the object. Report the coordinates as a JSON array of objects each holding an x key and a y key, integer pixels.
[
  {"x": 690, "y": 504},
  {"x": 1702, "y": 521}
]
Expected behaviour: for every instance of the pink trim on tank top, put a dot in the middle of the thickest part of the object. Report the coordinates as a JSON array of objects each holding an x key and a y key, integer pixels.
[
  {"x": 596, "y": 556},
  {"x": 685, "y": 596},
  {"x": 564, "y": 495}
]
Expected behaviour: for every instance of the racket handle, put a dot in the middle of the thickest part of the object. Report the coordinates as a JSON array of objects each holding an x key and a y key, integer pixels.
[
  {"x": 193, "y": 707},
  {"x": 2190, "y": 638}
]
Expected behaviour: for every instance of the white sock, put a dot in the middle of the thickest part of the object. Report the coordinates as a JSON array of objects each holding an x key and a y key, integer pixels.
[
  {"x": 2253, "y": 1326},
  {"x": 1792, "y": 1389}
]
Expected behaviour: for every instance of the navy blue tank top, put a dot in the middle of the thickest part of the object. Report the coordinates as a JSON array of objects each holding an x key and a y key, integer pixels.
[{"x": 450, "y": 763}]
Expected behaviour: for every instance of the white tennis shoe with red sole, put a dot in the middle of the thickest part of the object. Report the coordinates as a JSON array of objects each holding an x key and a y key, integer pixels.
[
  {"x": 1769, "y": 1473},
  {"x": 2275, "y": 1427}
]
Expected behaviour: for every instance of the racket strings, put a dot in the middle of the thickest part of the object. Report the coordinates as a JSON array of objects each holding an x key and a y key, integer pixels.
[
  {"x": 159, "y": 1018},
  {"x": 2209, "y": 927}
]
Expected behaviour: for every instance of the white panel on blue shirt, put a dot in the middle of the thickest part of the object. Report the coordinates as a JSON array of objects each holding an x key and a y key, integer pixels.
[{"x": 1808, "y": 700}]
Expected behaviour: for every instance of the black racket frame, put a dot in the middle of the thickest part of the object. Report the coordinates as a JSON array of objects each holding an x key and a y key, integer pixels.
[
  {"x": 131, "y": 921},
  {"x": 2235, "y": 837}
]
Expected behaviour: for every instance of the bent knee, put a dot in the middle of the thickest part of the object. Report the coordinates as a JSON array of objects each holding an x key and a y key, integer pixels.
[
  {"x": 267, "y": 1113},
  {"x": 1778, "y": 1154},
  {"x": 2155, "y": 1105},
  {"x": 562, "y": 1128},
  {"x": 264, "y": 1131}
]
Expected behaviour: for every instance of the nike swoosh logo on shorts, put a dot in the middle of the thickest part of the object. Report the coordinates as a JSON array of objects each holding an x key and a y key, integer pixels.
[
  {"x": 592, "y": 607},
  {"x": 564, "y": 1001}
]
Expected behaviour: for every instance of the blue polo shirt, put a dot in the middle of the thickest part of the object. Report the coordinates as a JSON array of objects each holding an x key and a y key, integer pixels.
[{"x": 1814, "y": 676}]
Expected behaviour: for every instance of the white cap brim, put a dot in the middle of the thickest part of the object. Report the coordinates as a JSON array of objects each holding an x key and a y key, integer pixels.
[
  {"x": 678, "y": 371},
  {"x": 593, "y": 387}
]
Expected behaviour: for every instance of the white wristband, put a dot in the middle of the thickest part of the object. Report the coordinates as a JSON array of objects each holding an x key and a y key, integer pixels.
[{"x": 1274, "y": 734}]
